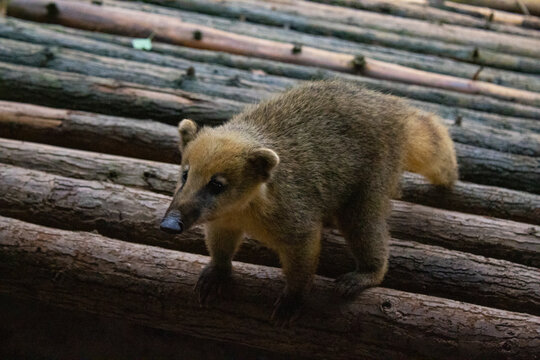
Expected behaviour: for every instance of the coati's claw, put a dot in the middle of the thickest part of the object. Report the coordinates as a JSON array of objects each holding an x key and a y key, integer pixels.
[
  {"x": 286, "y": 309},
  {"x": 350, "y": 284},
  {"x": 211, "y": 283}
]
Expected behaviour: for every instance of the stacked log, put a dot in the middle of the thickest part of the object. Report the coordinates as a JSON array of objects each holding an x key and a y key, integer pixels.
[
  {"x": 451, "y": 265},
  {"x": 137, "y": 23},
  {"x": 153, "y": 286}
]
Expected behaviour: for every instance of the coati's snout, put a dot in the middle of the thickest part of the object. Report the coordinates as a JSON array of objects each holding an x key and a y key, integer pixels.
[{"x": 172, "y": 223}]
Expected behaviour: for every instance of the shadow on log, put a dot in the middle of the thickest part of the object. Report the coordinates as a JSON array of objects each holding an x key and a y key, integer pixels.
[{"x": 153, "y": 287}]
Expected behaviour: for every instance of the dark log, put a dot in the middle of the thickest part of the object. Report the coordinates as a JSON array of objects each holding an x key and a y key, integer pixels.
[
  {"x": 67, "y": 60},
  {"x": 349, "y": 25},
  {"x": 63, "y": 334},
  {"x": 134, "y": 216},
  {"x": 153, "y": 287},
  {"x": 57, "y": 88},
  {"x": 447, "y": 13},
  {"x": 161, "y": 177},
  {"x": 205, "y": 63},
  {"x": 170, "y": 29},
  {"x": 474, "y": 199},
  {"x": 498, "y": 169},
  {"x": 89, "y": 131}
]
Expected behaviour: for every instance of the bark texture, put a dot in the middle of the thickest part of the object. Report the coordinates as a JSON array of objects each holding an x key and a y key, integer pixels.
[
  {"x": 58, "y": 88},
  {"x": 117, "y": 20},
  {"x": 349, "y": 25},
  {"x": 134, "y": 216},
  {"x": 153, "y": 287},
  {"x": 157, "y": 142},
  {"x": 222, "y": 68}
]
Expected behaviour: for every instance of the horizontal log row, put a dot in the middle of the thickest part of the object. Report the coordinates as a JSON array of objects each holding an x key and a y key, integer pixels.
[
  {"x": 477, "y": 165},
  {"x": 306, "y": 17},
  {"x": 117, "y": 20},
  {"x": 134, "y": 215},
  {"x": 159, "y": 76},
  {"x": 222, "y": 69},
  {"x": 447, "y": 13},
  {"x": 153, "y": 287}
]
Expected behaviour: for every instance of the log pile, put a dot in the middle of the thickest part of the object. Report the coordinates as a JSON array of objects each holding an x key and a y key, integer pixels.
[{"x": 89, "y": 160}]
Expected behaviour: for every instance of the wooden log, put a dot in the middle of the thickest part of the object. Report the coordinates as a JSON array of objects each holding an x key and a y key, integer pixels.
[
  {"x": 474, "y": 199},
  {"x": 415, "y": 58},
  {"x": 161, "y": 177},
  {"x": 27, "y": 54},
  {"x": 494, "y": 16},
  {"x": 439, "y": 96},
  {"x": 53, "y": 198},
  {"x": 169, "y": 29},
  {"x": 56, "y": 88},
  {"x": 35, "y": 123},
  {"x": 153, "y": 75},
  {"x": 531, "y": 6},
  {"x": 347, "y": 24},
  {"x": 153, "y": 287},
  {"x": 444, "y": 12},
  {"x": 475, "y": 164},
  {"x": 60, "y": 333},
  {"x": 205, "y": 63}
]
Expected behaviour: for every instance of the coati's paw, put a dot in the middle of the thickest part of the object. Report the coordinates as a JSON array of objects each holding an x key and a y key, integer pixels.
[
  {"x": 350, "y": 284},
  {"x": 212, "y": 282},
  {"x": 286, "y": 309}
]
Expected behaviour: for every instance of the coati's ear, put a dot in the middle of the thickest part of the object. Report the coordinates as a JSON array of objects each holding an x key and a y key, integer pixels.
[
  {"x": 263, "y": 161},
  {"x": 187, "y": 130}
]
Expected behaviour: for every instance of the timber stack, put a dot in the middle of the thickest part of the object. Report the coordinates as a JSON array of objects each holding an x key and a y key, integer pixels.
[{"x": 89, "y": 160}]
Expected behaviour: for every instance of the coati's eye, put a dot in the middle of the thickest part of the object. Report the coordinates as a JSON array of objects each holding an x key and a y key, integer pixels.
[{"x": 215, "y": 186}]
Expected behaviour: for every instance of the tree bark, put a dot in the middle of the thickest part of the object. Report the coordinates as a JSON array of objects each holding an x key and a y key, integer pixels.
[
  {"x": 169, "y": 29},
  {"x": 64, "y": 334},
  {"x": 21, "y": 53},
  {"x": 158, "y": 76},
  {"x": 134, "y": 216},
  {"x": 472, "y": 16},
  {"x": 348, "y": 24},
  {"x": 162, "y": 177},
  {"x": 92, "y": 132},
  {"x": 476, "y": 164},
  {"x": 507, "y": 5},
  {"x": 153, "y": 287},
  {"x": 56, "y": 88},
  {"x": 210, "y": 63}
]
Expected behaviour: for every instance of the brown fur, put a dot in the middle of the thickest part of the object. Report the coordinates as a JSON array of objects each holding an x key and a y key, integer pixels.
[{"x": 320, "y": 152}]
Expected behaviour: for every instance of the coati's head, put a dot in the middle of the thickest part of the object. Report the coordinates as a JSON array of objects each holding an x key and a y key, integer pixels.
[{"x": 222, "y": 170}]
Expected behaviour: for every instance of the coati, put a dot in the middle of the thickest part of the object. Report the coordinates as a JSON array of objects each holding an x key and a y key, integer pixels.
[{"x": 327, "y": 151}]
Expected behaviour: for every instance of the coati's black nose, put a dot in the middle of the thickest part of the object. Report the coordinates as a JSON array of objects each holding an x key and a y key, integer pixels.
[{"x": 172, "y": 224}]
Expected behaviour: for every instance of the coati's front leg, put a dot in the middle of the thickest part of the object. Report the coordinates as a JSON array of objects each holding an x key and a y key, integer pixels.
[
  {"x": 299, "y": 263},
  {"x": 222, "y": 244}
]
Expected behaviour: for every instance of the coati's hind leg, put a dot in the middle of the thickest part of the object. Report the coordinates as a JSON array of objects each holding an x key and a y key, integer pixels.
[
  {"x": 363, "y": 224},
  {"x": 222, "y": 243}
]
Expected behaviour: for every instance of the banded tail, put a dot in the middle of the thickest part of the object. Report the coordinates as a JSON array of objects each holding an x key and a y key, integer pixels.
[{"x": 429, "y": 150}]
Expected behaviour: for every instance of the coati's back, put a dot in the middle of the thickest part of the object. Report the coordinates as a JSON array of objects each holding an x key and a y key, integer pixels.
[{"x": 334, "y": 136}]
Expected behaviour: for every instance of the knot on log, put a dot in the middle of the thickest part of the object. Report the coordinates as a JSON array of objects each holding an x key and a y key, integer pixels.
[
  {"x": 52, "y": 10},
  {"x": 197, "y": 35},
  {"x": 297, "y": 48},
  {"x": 358, "y": 63}
]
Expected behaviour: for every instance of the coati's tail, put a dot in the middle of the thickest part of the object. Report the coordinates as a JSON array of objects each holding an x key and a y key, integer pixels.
[{"x": 430, "y": 150}]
